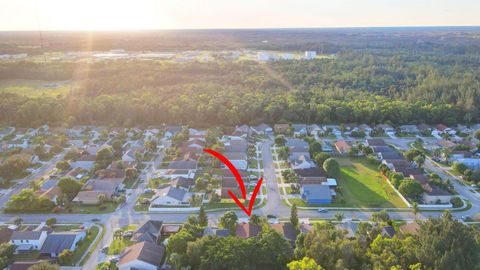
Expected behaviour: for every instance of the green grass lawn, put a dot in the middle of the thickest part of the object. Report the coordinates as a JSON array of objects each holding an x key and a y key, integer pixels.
[
  {"x": 228, "y": 203},
  {"x": 362, "y": 186},
  {"x": 130, "y": 183},
  {"x": 84, "y": 244},
  {"x": 107, "y": 207},
  {"x": 119, "y": 244}
]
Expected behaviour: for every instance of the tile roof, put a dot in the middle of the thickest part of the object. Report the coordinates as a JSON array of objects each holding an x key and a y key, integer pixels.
[{"x": 247, "y": 230}]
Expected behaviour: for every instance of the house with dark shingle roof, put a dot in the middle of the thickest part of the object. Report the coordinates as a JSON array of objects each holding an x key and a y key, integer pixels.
[
  {"x": 183, "y": 165},
  {"x": 148, "y": 231},
  {"x": 171, "y": 196},
  {"x": 57, "y": 242},
  {"x": 247, "y": 230},
  {"x": 143, "y": 255},
  {"x": 182, "y": 182},
  {"x": 262, "y": 129},
  {"x": 287, "y": 230},
  {"x": 28, "y": 240},
  {"x": 388, "y": 231},
  {"x": 375, "y": 142}
]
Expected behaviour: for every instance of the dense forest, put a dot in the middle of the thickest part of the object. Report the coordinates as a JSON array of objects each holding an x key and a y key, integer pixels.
[{"x": 372, "y": 84}]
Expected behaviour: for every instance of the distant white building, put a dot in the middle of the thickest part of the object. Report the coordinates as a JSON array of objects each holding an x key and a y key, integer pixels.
[
  {"x": 264, "y": 56},
  {"x": 309, "y": 55}
]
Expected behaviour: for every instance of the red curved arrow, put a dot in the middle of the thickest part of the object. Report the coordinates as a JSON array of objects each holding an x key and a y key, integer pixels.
[{"x": 232, "y": 169}]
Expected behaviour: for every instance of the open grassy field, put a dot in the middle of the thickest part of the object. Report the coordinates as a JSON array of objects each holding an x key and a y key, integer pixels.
[
  {"x": 363, "y": 186},
  {"x": 35, "y": 88}
]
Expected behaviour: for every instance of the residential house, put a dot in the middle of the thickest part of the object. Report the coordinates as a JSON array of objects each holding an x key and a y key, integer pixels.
[
  {"x": 262, "y": 129},
  {"x": 310, "y": 172},
  {"x": 316, "y": 194},
  {"x": 149, "y": 231},
  {"x": 281, "y": 128},
  {"x": 51, "y": 193},
  {"x": 424, "y": 128},
  {"x": 302, "y": 162},
  {"x": 386, "y": 128},
  {"x": 182, "y": 182},
  {"x": 287, "y": 230},
  {"x": 375, "y": 142},
  {"x": 86, "y": 162},
  {"x": 365, "y": 128},
  {"x": 171, "y": 196},
  {"x": 25, "y": 241},
  {"x": 170, "y": 131},
  {"x": 230, "y": 183},
  {"x": 5, "y": 235},
  {"x": 435, "y": 195},
  {"x": 142, "y": 255},
  {"x": 300, "y": 129},
  {"x": 297, "y": 148},
  {"x": 88, "y": 197},
  {"x": 343, "y": 147},
  {"x": 410, "y": 228},
  {"x": 17, "y": 265},
  {"x": 183, "y": 165},
  {"x": 236, "y": 145},
  {"x": 57, "y": 242},
  {"x": 413, "y": 129},
  {"x": 242, "y": 131},
  {"x": 456, "y": 155},
  {"x": 173, "y": 173},
  {"x": 388, "y": 231},
  {"x": 216, "y": 232},
  {"x": 238, "y": 159},
  {"x": 350, "y": 228},
  {"x": 168, "y": 230},
  {"x": 471, "y": 163},
  {"x": 247, "y": 230}
]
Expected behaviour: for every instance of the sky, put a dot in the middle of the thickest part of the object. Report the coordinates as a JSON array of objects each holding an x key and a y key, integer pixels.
[{"x": 198, "y": 14}]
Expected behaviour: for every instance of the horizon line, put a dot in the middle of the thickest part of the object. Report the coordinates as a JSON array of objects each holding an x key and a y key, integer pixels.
[{"x": 239, "y": 28}]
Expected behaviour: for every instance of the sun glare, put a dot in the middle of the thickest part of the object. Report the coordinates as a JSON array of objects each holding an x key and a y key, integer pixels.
[{"x": 104, "y": 15}]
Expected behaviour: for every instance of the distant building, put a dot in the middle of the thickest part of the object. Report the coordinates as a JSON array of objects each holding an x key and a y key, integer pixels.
[{"x": 309, "y": 55}]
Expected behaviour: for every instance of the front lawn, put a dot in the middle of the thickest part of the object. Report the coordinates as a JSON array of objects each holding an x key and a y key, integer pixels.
[
  {"x": 119, "y": 244},
  {"x": 361, "y": 185},
  {"x": 107, "y": 207},
  {"x": 84, "y": 244}
]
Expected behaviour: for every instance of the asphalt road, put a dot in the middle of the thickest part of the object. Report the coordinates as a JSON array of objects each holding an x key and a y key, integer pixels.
[{"x": 125, "y": 215}]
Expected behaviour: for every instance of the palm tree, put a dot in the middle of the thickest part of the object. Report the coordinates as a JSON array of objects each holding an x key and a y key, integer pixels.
[
  {"x": 101, "y": 198},
  {"x": 415, "y": 209},
  {"x": 339, "y": 216}
]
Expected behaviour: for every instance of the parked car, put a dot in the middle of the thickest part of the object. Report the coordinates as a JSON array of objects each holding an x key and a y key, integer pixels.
[{"x": 322, "y": 210}]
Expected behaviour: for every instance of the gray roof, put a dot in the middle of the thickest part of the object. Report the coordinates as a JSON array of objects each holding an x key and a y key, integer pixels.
[
  {"x": 175, "y": 193},
  {"x": 49, "y": 184},
  {"x": 25, "y": 235},
  {"x": 152, "y": 226},
  {"x": 182, "y": 182},
  {"x": 317, "y": 191},
  {"x": 183, "y": 165},
  {"x": 236, "y": 146},
  {"x": 388, "y": 231},
  {"x": 58, "y": 242},
  {"x": 297, "y": 143},
  {"x": 236, "y": 155}
]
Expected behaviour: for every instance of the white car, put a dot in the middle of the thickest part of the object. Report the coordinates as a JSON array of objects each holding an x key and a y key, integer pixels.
[{"x": 322, "y": 210}]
